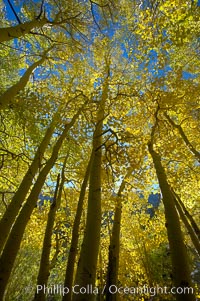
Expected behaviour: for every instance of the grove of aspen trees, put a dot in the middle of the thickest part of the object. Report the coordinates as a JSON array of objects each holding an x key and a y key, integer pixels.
[{"x": 99, "y": 150}]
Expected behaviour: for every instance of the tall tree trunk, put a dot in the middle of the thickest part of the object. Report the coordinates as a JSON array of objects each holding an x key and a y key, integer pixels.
[
  {"x": 189, "y": 228},
  {"x": 114, "y": 248},
  {"x": 87, "y": 265},
  {"x": 75, "y": 236},
  {"x": 189, "y": 216},
  {"x": 113, "y": 256},
  {"x": 14, "y": 206},
  {"x": 7, "y": 97},
  {"x": 180, "y": 264},
  {"x": 12, "y": 32},
  {"x": 44, "y": 269},
  {"x": 13, "y": 242},
  {"x": 58, "y": 203}
]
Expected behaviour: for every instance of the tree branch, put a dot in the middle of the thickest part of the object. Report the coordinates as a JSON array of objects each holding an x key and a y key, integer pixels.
[
  {"x": 184, "y": 137},
  {"x": 41, "y": 10},
  {"x": 14, "y": 12}
]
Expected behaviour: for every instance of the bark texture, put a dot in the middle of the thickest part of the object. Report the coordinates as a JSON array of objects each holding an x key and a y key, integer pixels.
[{"x": 20, "y": 30}]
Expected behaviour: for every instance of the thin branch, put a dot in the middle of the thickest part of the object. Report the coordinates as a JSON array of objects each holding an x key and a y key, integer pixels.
[
  {"x": 93, "y": 16},
  {"x": 41, "y": 10},
  {"x": 14, "y": 12}
]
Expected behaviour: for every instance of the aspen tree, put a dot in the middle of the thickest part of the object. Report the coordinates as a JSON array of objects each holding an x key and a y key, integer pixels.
[
  {"x": 189, "y": 216},
  {"x": 7, "y": 97},
  {"x": 20, "y": 195},
  {"x": 87, "y": 265},
  {"x": 58, "y": 203},
  {"x": 45, "y": 264},
  {"x": 114, "y": 248},
  {"x": 75, "y": 235},
  {"x": 44, "y": 269},
  {"x": 62, "y": 17},
  {"x": 189, "y": 228},
  {"x": 13, "y": 242},
  {"x": 20, "y": 30},
  {"x": 179, "y": 257}
]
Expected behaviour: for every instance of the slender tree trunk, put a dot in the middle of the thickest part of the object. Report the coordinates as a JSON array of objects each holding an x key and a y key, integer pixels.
[
  {"x": 13, "y": 242},
  {"x": 44, "y": 269},
  {"x": 10, "y": 33},
  {"x": 87, "y": 265},
  {"x": 180, "y": 264},
  {"x": 7, "y": 97},
  {"x": 184, "y": 137},
  {"x": 189, "y": 216},
  {"x": 58, "y": 202},
  {"x": 75, "y": 236},
  {"x": 14, "y": 206},
  {"x": 189, "y": 228},
  {"x": 114, "y": 248},
  {"x": 113, "y": 257}
]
